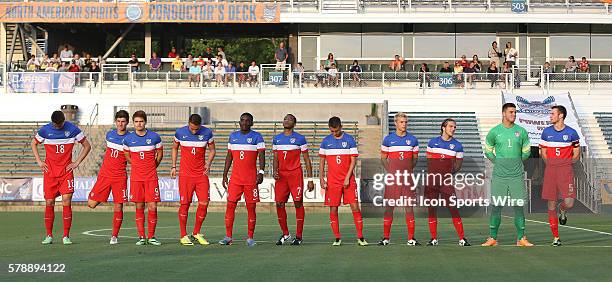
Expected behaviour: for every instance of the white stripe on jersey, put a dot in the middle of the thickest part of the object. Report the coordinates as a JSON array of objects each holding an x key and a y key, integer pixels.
[
  {"x": 334, "y": 152},
  {"x": 38, "y": 138},
  {"x": 114, "y": 146},
  {"x": 285, "y": 147},
  {"x": 400, "y": 148},
  {"x": 80, "y": 136},
  {"x": 261, "y": 145},
  {"x": 140, "y": 148},
  {"x": 59, "y": 141},
  {"x": 555, "y": 144},
  {"x": 242, "y": 147},
  {"x": 198, "y": 144},
  {"x": 442, "y": 151}
]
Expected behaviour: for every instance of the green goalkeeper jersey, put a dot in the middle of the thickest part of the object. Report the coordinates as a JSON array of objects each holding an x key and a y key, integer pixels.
[{"x": 507, "y": 148}]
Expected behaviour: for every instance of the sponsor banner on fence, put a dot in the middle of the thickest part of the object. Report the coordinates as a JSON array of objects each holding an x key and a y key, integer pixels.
[
  {"x": 41, "y": 82},
  {"x": 533, "y": 113},
  {"x": 606, "y": 192},
  {"x": 15, "y": 189},
  {"x": 168, "y": 189},
  {"x": 147, "y": 12}
]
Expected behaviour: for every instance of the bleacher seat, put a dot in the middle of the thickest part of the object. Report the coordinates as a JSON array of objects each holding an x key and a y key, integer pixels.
[{"x": 604, "y": 119}]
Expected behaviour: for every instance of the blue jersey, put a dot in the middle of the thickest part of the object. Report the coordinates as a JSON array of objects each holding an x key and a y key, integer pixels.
[
  {"x": 559, "y": 144},
  {"x": 193, "y": 149},
  {"x": 442, "y": 153},
  {"x": 58, "y": 143},
  {"x": 338, "y": 153},
  {"x": 142, "y": 154},
  {"x": 114, "y": 163},
  {"x": 288, "y": 149}
]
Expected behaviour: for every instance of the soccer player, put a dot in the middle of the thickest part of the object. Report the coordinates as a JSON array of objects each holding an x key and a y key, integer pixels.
[
  {"x": 444, "y": 158},
  {"x": 339, "y": 153},
  {"x": 58, "y": 138},
  {"x": 193, "y": 140},
  {"x": 112, "y": 176},
  {"x": 144, "y": 151},
  {"x": 245, "y": 147},
  {"x": 560, "y": 149},
  {"x": 507, "y": 145},
  {"x": 287, "y": 147},
  {"x": 398, "y": 153}
]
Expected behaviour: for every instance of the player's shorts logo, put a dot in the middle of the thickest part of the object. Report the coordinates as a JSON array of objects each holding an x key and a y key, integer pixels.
[
  {"x": 249, "y": 140},
  {"x": 66, "y": 133},
  {"x": 517, "y": 134},
  {"x": 565, "y": 137},
  {"x": 452, "y": 146},
  {"x": 344, "y": 144},
  {"x": 149, "y": 141},
  {"x": 201, "y": 137},
  {"x": 292, "y": 140}
]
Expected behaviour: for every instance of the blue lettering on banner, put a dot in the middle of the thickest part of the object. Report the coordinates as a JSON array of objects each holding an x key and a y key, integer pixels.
[
  {"x": 519, "y": 6},
  {"x": 221, "y": 12}
]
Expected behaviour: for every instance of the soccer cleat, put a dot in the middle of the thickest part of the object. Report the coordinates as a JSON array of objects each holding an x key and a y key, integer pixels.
[
  {"x": 413, "y": 242},
  {"x": 66, "y": 241},
  {"x": 556, "y": 242},
  {"x": 153, "y": 241},
  {"x": 432, "y": 242},
  {"x": 362, "y": 242},
  {"x": 186, "y": 241},
  {"x": 251, "y": 242},
  {"x": 141, "y": 241},
  {"x": 296, "y": 241},
  {"x": 48, "y": 240},
  {"x": 114, "y": 240},
  {"x": 464, "y": 243},
  {"x": 227, "y": 241},
  {"x": 523, "y": 242},
  {"x": 283, "y": 239},
  {"x": 338, "y": 242},
  {"x": 489, "y": 243},
  {"x": 384, "y": 242},
  {"x": 562, "y": 217},
  {"x": 200, "y": 238}
]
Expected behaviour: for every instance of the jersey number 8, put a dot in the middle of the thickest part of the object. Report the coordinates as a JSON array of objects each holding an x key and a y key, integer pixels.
[{"x": 242, "y": 155}]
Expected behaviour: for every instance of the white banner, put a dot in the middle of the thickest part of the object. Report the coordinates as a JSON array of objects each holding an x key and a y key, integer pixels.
[{"x": 533, "y": 113}]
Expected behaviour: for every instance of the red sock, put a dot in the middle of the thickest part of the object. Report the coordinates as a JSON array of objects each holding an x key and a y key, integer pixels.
[
  {"x": 230, "y": 212},
  {"x": 67, "y": 215},
  {"x": 358, "y": 223},
  {"x": 140, "y": 222},
  {"x": 152, "y": 223},
  {"x": 282, "y": 219},
  {"x": 335, "y": 225},
  {"x": 457, "y": 222},
  {"x": 252, "y": 217},
  {"x": 410, "y": 224},
  {"x": 300, "y": 213},
  {"x": 49, "y": 218},
  {"x": 200, "y": 216},
  {"x": 387, "y": 222},
  {"x": 554, "y": 223},
  {"x": 117, "y": 220},
  {"x": 182, "y": 216},
  {"x": 433, "y": 221}
]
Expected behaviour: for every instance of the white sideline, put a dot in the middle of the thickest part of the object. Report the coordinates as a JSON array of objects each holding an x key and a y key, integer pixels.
[{"x": 566, "y": 226}]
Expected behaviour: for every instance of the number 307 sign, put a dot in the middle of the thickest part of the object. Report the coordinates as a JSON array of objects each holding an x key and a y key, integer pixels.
[{"x": 519, "y": 6}]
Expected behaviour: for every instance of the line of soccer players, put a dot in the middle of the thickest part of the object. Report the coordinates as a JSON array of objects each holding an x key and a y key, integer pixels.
[{"x": 507, "y": 145}]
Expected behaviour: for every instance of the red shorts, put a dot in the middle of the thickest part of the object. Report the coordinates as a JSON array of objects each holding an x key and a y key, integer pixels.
[
  {"x": 336, "y": 192},
  {"x": 558, "y": 183},
  {"x": 103, "y": 187},
  {"x": 434, "y": 191},
  {"x": 56, "y": 186},
  {"x": 235, "y": 191},
  {"x": 187, "y": 185},
  {"x": 144, "y": 191},
  {"x": 289, "y": 182}
]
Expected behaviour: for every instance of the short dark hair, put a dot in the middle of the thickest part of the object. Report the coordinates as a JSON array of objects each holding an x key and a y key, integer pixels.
[
  {"x": 444, "y": 123},
  {"x": 334, "y": 122},
  {"x": 195, "y": 119},
  {"x": 122, "y": 114},
  {"x": 58, "y": 117},
  {"x": 140, "y": 114},
  {"x": 249, "y": 115},
  {"x": 508, "y": 105},
  {"x": 561, "y": 110},
  {"x": 294, "y": 118}
]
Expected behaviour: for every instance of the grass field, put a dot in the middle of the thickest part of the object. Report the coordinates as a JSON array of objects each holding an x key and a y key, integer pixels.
[{"x": 585, "y": 255}]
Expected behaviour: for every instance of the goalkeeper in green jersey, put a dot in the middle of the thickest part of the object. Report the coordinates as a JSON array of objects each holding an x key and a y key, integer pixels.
[{"x": 507, "y": 145}]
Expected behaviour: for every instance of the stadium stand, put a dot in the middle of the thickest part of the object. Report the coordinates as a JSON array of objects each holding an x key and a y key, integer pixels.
[{"x": 604, "y": 119}]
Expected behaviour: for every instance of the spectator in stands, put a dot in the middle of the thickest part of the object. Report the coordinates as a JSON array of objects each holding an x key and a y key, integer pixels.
[
  {"x": 230, "y": 70},
  {"x": 469, "y": 74},
  {"x": 177, "y": 63},
  {"x": 188, "y": 62},
  {"x": 207, "y": 73},
  {"x": 424, "y": 75},
  {"x": 355, "y": 72},
  {"x": 477, "y": 65},
  {"x": 55, "y": 61},
  {"x": 134, "y": 64},
  {"x": 45, "y": 62},
  {"x": 74, "y": 67},
  {"x": 321, "y": 75},
  {"x": 199, "y": 61},
  {"x": 511, "y": 55},
  {"x": 155, "y": 62},
  {"x": 219, "y": 74},
  {"x": 78, "y": 60},
  {"x": 330, "y": 60},
  {"x": 64, "y": 67},
  {"x": 458, "y": 71},
  {"x": 494, "y": 54},
  {"x": 95, "y": 70},
  {"x": 397, "y": 63},
  {"x": 221, "y": 52},
  {"x": 446, "y": 68},
  {"x": 298, "y": 75},
  {"x": 172, "y": 53},
  {"x": 281, "y": 56},
  {"x": 87, "y": 62},
  {"x": 208, "y": 53},
  {"x": 194, "y": 75},
  {"x": 545, "y": 69},
  {"x": 493, "y": 73},
  {"x": 333, "y": 76},
  {"x": 506, "y": 72},
  {"x": 33, "y": 64},
  {"x": 253, "y": 73},
  {"x": 222, "y": 60},
  {"x": 242, "y": 71},
  {"x": 571, "y": 65},
  {"x": 66, "y": 53},
  {"x": 584, "y": 65},
  {"x": 464, "y": 62}
]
